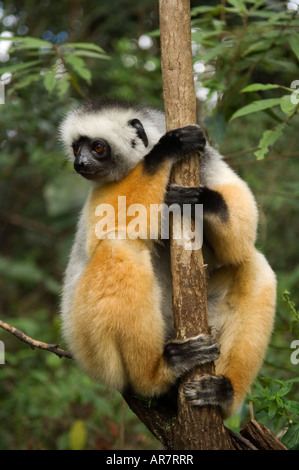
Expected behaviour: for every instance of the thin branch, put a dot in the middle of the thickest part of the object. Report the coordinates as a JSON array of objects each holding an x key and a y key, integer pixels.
[
  {"x": 25, "y": 223},
  {"x": 241, "y": 442},
  {"x": 228, "y": 156},
  {"x": 33, "y": 343}
]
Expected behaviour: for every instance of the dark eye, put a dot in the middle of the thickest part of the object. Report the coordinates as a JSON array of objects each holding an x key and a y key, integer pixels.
[
  {"x": 98, "y": 147},
  {"x": 75, "y": 149}
]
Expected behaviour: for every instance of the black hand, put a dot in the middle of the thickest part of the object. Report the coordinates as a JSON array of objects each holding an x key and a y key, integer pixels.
[{"x": 175, "y": 145}]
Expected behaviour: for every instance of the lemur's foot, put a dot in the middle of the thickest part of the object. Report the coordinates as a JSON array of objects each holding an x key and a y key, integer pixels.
[
  {"x": 183, "y": 355},
  {"x": 209, "y": 390}
]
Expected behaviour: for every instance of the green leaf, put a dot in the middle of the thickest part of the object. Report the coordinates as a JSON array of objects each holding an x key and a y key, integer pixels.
[
  {"x": 213, "y": 52},
  {"x": 20, "y": 271},
  {"x": 256, "y": 106},
  {"x": 256, "y": 47},
  {"x": 239, "y": 5},
  {"x": 279, "y": 402},
  {"x": 79, "y": 66},
  {"x": 291, "y": 437},
  {"x": 28, "y": 41},
  {"x": 259, "y": 87},
  {"x": 96, "y": 55},
  {"x": 27, "y": 80},
  {"x": 26, "y": 273},
  {"x": 50, "y": 80},
  {"x": 292, "y": 406},
  {"x": 295, "y": 314},
  {"x": 272, "y": 409},
  {"x": 63, "y": 85},
  {"x": 84, "y": 45},
  {"x": 78, "y": 435},
  {"x": 285, "y": 389},
  {"x": 287, "y": 106},
  {"x": 269, "y": 138},
  {"x": 294, "y": 44},
  {"x": 17, "y": 67},
  {"x": 233, "y": 422},
  {"x": 154, "y": 34},
  {"x": 256, "y": 4},
  {"x": 205, "y": 9},
  {"x": 292, "y": 308}
]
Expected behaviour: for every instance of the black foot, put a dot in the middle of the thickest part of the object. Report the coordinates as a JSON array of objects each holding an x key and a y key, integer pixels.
[
  {"x": 183, "y": 355},
  {"x": 210, "y": 390}
]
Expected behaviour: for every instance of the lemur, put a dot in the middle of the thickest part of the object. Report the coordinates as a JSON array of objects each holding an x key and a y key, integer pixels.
[{"x": 117, "y": 298}]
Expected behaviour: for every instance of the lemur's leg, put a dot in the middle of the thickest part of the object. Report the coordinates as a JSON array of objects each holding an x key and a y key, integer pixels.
[
  {"x": 118, "y": 329},
  {"x": 244, "y": 320},
  {"x": 244, "y": 287}
]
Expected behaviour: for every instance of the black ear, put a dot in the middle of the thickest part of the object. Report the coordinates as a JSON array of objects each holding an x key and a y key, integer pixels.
[{"x": 140, "y": 130}]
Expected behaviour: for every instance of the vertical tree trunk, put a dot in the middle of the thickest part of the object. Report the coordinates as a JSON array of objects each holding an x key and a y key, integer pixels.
[{"x": 195, "y": 428}]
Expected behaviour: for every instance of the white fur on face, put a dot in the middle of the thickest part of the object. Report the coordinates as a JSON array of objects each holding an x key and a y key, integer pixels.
[{"x": 112, "y": 126}]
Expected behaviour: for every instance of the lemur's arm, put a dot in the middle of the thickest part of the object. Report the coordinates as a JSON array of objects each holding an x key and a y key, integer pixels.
[
  {"x": 212, "y": 201},
  {"x": 230, "y": 216}
]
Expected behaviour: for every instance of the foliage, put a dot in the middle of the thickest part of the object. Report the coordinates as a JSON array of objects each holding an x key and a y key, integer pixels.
[
  {"x": 58, "y": 66},
  {"x": 246, "y": 68},
  {"x": 53, "y": 406},
  {"x": 272, "y": 397}
]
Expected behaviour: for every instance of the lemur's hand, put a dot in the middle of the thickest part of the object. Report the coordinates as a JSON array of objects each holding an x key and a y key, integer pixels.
[
  {"x": 182, "y": 141},
  {"x": 176, "y": 144}
]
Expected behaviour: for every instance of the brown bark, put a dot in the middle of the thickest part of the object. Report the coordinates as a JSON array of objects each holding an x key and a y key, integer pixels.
[
  {"x": 33, "y": 343},
  {"x": 261, "y": 437},
  {"x": 195, "y": 428}
]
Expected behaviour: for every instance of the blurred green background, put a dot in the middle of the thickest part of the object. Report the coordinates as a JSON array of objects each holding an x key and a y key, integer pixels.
[{"x": 47, "y": 402}]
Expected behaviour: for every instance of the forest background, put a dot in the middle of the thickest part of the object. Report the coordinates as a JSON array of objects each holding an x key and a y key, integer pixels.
[{"x": 53, "y": 55}]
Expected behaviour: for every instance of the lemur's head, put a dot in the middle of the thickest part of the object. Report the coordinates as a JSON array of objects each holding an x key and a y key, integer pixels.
[{"x": 106, "y": 138}]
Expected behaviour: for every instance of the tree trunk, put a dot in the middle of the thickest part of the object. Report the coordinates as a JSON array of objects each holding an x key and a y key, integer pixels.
[{"x": 195, "y": 428}]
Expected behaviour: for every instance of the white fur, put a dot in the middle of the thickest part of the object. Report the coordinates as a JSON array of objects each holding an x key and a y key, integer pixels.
[
  {"x": 76, "y": 265},
  {"x": 112, "y": 125},
  {"x": 216, "y": 172}
]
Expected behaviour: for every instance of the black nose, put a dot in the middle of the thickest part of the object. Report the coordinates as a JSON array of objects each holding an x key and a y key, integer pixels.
[{"x": 81, "y": 163}]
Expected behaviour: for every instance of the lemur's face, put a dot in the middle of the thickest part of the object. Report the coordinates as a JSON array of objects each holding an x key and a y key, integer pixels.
[
  {"x": 93, "y": 157},
  {"x": 106, "y": 141}
]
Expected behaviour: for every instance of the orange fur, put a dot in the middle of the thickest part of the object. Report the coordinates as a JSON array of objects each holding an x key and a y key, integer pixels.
[
  {"x": 107, "y": 331},
  {"x": 246, "y": 320},
  {"x": 118, "y": 297},
  {"x": 112, "y": 302},
  {"x": 233, "y": 240},
  {"x": 139, "y": 188}
]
